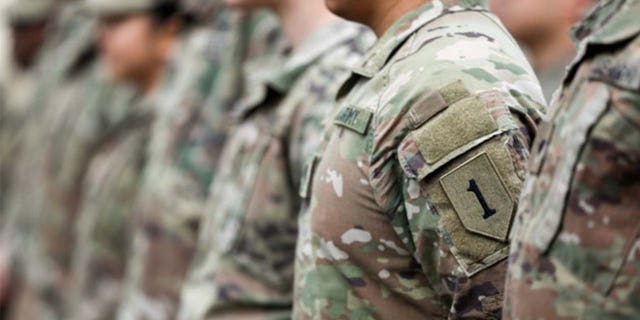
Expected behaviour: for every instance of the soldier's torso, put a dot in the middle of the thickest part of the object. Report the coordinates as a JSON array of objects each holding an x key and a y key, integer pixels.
[
  {"x": 105, "y": 216},
  {"x": 187, "y": 141},
  {"x": 182, "y": 153},
  {"x": 356, "y": 255},
  {"x": 577, "y": 244},
  {"x": 248, "y": 237}
]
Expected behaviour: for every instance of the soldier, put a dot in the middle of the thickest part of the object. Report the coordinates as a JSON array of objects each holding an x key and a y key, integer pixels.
[
  {"x": 542, "y": 27},
  {"x": 186, "y": 140},
  {"x": 243, "y": 268},
  {"x": 136, "y": 41},
  {"x": 29, "y": 21},
  {"x": 576, "y": 245},
  {"x": 60, "y": 94},
  {"x": 408, "y": 206}
]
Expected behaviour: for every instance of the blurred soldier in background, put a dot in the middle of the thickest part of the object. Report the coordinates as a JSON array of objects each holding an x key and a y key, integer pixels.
[
  {"x": 137, "y": 39},
  {"x": 576, "y": 241},
  {"x": 55, "y": 105},
  {"x": 542, "y": 27},
  {"x": 187, "y": 137},
  {"x": 28, "y": 21},
  {"x": 243, "y": 267}
]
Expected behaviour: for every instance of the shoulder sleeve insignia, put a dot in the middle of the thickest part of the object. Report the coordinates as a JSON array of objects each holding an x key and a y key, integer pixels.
[{"x": 480, "y": 197}]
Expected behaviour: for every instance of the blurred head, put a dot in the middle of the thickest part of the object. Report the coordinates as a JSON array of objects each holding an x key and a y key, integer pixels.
[
  {"x": 28, "y": 38},
  {"x": 28, "y": 20},
  {"x": 532, "y": 20},
  {"x": 136, "y": 44}
]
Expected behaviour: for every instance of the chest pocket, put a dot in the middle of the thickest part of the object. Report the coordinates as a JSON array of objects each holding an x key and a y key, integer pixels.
[{"x": 465, "y": 151}]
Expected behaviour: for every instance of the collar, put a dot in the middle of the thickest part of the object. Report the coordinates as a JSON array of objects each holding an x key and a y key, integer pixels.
[
  {"x": 317, "y": 45},
  {"x": 609, "y": 22},
  {"x": 279, "y": 74},
  {"x": 406, "y": 26}
]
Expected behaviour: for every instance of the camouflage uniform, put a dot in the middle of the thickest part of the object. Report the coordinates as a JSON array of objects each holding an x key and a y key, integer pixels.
[
  {"x": 102, "y": 227},
  {"x": 64, "y": 89},
  {"x": 187, "y": 138},
  {"x": 13, "y": 113},
  {"x": 71, "y": 39},
  {"x": 18, "y": 95},
  {"x": 409, "y": 205},
  {"x": 576, "y": 242},
  {"x": 243, "y": 267}
]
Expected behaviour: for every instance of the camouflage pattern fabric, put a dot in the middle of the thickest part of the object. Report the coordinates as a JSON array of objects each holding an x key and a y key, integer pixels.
[
  {"x": 409, "y": 204},
  {"x": 103, "y": 224},
  {"x": 243, "y": 268},
  {"x": 18, "y": 96},
  {"x": 576, "y": 242},
  {"x": 186, "y": 141},
  {"x": 63, "y": 90},
  {"x": 68, "y": 44}
]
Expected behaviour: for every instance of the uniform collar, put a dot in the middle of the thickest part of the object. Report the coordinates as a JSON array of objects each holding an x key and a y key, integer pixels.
[
  {"x": 406, "y": 26},
  {"x": 609, "y": 22},
  {"x": 318, "y": 44},
  {"x": 278, "y": 75}
]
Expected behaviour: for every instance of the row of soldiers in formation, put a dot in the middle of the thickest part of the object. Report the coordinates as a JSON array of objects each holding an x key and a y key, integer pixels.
[{"x": 265, "y": 159}]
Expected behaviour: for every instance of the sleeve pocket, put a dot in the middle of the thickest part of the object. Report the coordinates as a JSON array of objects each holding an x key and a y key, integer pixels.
[{"x": 462, "y": 158}]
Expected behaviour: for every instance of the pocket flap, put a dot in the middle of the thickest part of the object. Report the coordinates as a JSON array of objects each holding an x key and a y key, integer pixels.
[{"x": 463, "y": 126}]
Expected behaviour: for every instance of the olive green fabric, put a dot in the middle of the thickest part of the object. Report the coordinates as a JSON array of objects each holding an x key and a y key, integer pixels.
[{"x": 354, "y": 118}]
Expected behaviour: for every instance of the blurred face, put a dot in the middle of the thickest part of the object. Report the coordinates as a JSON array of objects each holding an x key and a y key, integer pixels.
[
  {"x": 27, "y": 40},
  {"x": 528, "y": 20},
  {"x": 129, "y": 46}
]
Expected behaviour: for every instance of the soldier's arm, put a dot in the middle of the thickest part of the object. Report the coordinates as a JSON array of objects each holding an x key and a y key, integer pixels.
[
  {"x": 463, "y": 161},
  {"x": 598, "y": 241}
]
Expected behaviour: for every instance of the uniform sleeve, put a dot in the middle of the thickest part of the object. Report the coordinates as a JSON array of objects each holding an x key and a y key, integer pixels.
[
  {"x": 463, "y": 161},
  {"x": 597, "y": 242}
]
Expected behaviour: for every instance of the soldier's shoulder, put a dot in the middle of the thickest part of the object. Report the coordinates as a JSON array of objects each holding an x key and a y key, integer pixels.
[
  {"x": 478, "y": 30},
  {"x": 620, "y": 65},
  {"x": 610, "y": 38},
  {"x": 469, "y": 46}
]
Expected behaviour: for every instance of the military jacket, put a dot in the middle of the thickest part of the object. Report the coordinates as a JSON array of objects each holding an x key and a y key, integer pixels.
[
  {"x": 102, "y": 227},
  {"x": 576, "y": 242},
  {"x": 187, "y": 138},
  {"x": 244, "y": 261}
]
